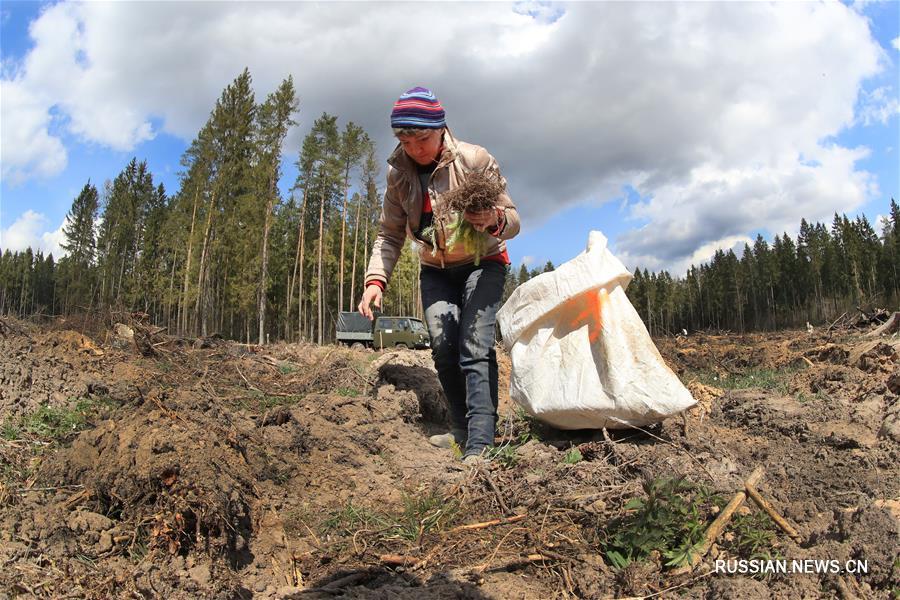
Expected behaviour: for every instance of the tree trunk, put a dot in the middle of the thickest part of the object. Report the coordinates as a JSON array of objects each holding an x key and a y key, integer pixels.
[
  {"x": 740, "y": 305},
  {"x": 366, "y": 246},
  {"x": 286, "y": 327},
  {"x": 298, "y": 260},
  {"x": 355, "y": 250},
  {"x": 103, "y": 278},
  {"x": 118, "y": 295},
  {"x": 200, "y": 317},
  {"x": 183, "y": 312},
  {"x": 264, "y": 275},
  {"x": 343, "y": 233},
  {"x": 171, "y": 293},
  {"x": 320, "y": 284}
]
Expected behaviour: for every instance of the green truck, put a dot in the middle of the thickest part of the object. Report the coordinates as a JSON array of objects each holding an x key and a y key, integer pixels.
[{"x": 356, "y": 331}]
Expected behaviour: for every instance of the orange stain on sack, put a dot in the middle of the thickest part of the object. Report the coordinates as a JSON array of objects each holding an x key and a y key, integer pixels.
[{"x": 592, "y": 314}]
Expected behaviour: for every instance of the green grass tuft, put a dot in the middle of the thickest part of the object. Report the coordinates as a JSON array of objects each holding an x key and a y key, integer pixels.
[
  {"x": 670, "y": 519},
  {"x": 422, "y": 513},
  {"x": 767, "y": 379},
  {"x": 58, "y": 423}
]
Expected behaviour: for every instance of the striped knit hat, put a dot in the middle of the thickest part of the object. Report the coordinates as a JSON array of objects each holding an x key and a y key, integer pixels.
[{"x": 418, "y": 108}]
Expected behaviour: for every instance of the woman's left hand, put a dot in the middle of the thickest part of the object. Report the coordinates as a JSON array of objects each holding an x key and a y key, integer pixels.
[{"x": 482, "y": 219}]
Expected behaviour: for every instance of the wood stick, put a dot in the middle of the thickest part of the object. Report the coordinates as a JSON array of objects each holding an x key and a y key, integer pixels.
[
  {"x": 399, "y": 560},
  {"x": 555, "y": 556},
  {"x": 889, "y": 326},
  {"x": 718, "y": 524},
  {"x": 835, "y": 322},
  {"x": 26, "y": 489},
  {"x": 770, "y": 510},
  {"x": 76, "y": 498},
  {"x": 486, "y": 524},
  {"x": 490, "y": 482},
  {"x": 534, "y": 557}
]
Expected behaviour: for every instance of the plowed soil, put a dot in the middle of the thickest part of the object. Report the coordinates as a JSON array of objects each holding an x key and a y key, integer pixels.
[{"x": 174, "y": 468}]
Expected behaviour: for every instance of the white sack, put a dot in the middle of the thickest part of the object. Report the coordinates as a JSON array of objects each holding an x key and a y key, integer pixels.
[{"x": 581, "y": 356}]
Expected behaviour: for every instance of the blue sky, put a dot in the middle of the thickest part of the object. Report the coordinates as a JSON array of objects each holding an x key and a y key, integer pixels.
[{"x": 676, "y": 129}]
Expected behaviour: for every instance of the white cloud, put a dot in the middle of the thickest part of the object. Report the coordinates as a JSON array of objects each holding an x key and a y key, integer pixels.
[
  {"x": 687, "y": 221},
  {"x": 28, "y": 149},
  {"x": 29, "y": 231},
  {"x": 719, "y": 114},
  {"x": 59, "y": 76},
  {"x": 700, "y": 255},
  {"x": 896, "y": 43},
  {"x": 878, "y": 106}
]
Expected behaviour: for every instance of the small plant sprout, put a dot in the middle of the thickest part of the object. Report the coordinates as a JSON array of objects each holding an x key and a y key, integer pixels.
[{"x": 573, "y": 457}]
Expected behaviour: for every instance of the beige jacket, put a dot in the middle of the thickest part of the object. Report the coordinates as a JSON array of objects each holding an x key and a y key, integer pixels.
[{"x": 402, "y": 209}]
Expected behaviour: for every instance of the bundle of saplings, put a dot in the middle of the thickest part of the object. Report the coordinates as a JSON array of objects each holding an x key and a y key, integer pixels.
[{"x": 478, "y": 193}]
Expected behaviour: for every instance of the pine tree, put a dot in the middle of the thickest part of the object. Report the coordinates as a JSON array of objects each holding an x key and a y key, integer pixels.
[
  {"x": 869, "y": 250},
  {"x": 785, "y": 256},
  {"x": 227, "y": 271},
  {"x": 80, "y": 244},
  {"x": 364, "y": 209},
  {"x": 524, "y": 275},
  {"x": 122, "y": 233},
  {"x": 6, "y": 280},
  {"x": 79, "y": 226},
  {"x": 889, "y": 264},
  {"x": 274, "y": 121},
  {"x": 327, "y": 184},
  {"x": 152, "y": 267},
  {"x": 765, "y": 277},
  {"x": 352, "y": 148},
  {"x": 509, "y": 286},
  {"x": 190, "y": 206},
  {"x": 310, "y": 156},
  {"x": 637, "y": 294}
]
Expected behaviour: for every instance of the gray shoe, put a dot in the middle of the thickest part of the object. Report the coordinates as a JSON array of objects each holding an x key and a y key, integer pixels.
[{"x": 444, "y": 440}]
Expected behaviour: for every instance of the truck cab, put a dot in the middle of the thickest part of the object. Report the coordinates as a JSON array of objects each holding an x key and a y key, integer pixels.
[
  {"x": 357, "y": 331},
  {"x": 400, "y": 332}
]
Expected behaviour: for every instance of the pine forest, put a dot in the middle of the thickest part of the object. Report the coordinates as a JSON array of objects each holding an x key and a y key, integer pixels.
[{"x": 227, "y": 253}]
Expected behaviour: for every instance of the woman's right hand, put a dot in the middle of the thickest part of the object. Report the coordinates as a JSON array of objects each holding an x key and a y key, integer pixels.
[{"x": 374, "y": 294}]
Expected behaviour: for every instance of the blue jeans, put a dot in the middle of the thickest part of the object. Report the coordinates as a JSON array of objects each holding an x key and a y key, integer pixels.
[{"x": 461, "y": 306}]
